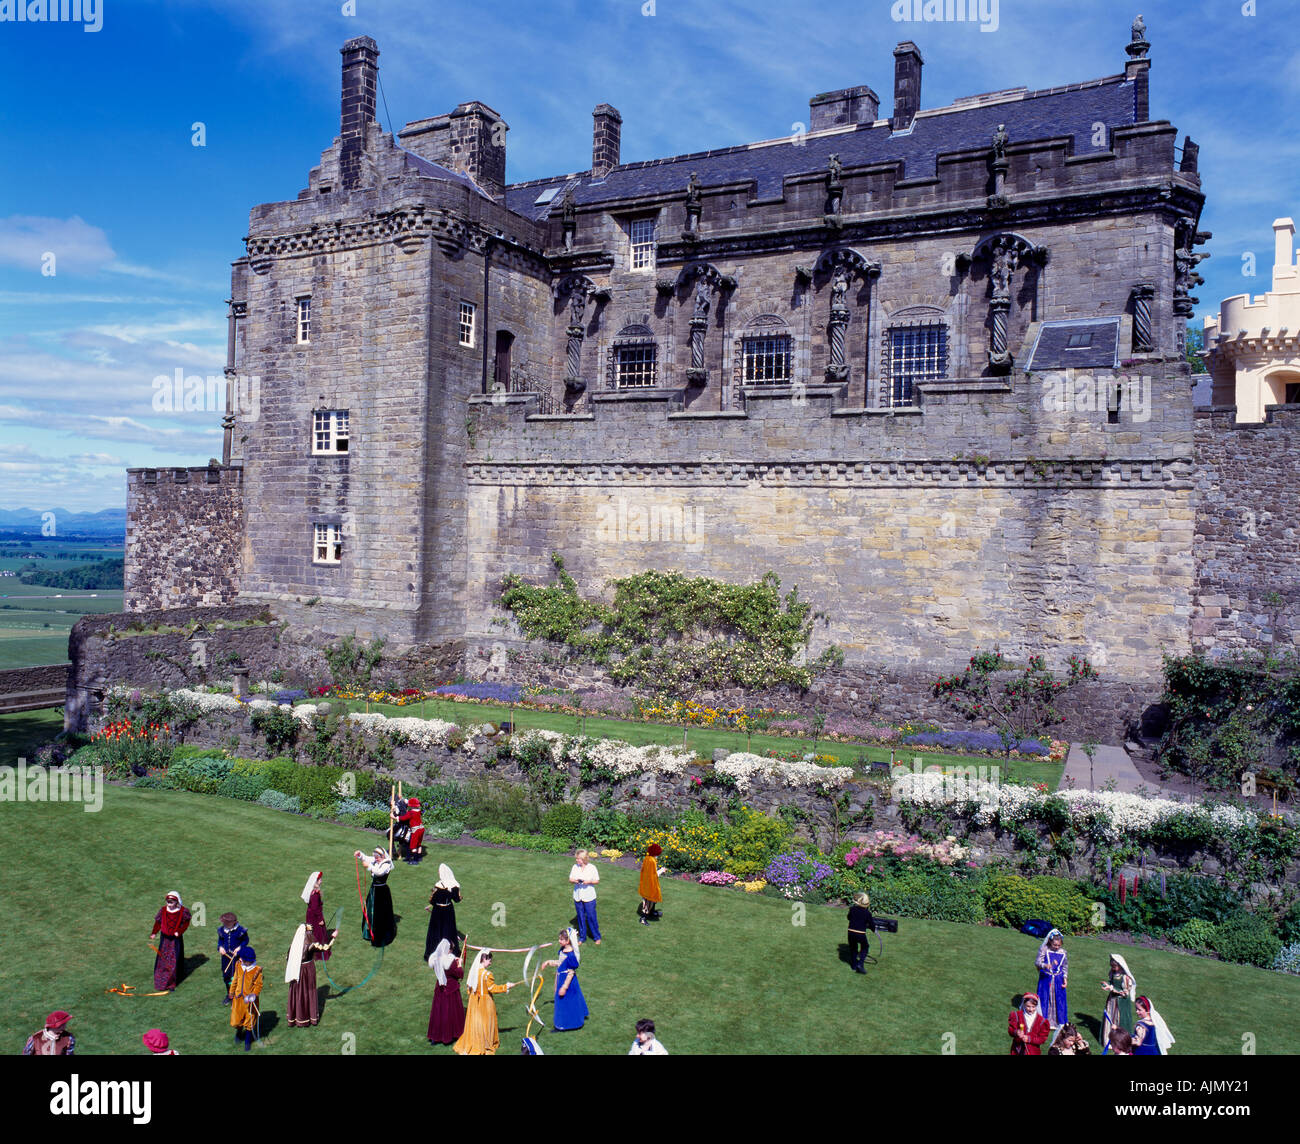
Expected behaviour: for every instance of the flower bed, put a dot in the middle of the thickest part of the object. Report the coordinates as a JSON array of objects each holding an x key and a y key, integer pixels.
[
  {"x": 892, "y": 844},
  {"x": 744, "y": 768}
]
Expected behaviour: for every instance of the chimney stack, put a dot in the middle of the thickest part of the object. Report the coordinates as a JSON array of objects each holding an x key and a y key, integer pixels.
[
  {"x": 477, "y": 146},
  {"x": 837, "y": 108},
  {"x": 606, "y": 139},
  {"x": 1283, "y": 251},
  {"x": 360, "y": 78},
  {"x": 907, "y": 85}
]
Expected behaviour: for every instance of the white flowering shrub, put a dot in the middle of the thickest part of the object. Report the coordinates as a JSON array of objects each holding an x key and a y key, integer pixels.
[
  {"x": 744, "y": 768},
  {"x": 612, "y": 755}
]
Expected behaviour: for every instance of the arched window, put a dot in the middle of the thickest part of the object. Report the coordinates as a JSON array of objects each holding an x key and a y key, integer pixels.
[
  {"x": 915, "y": 349},
  {"x": 766, "y": 352},
  {"x": 634, "y": 359}
]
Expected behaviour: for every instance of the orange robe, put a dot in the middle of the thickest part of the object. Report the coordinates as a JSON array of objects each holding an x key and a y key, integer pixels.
[
  {"x": 649, "y": 888},
  {"x": 481, "y": 1037},
  {"x": 247, "y": 982}
]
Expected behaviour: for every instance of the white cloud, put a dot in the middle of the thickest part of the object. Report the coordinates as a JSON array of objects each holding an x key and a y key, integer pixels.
[{"x": 25, "y": 240}]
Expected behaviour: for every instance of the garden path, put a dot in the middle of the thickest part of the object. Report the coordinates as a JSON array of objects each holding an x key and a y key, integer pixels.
[{"x": 1109, "y": 763}]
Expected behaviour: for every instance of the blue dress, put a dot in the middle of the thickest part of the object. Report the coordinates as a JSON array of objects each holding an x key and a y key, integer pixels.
[
  {"x": 1149, "y": 1047},
  {"x": 1052, "y": 970},
  {"x": 571, "y": 1009}
]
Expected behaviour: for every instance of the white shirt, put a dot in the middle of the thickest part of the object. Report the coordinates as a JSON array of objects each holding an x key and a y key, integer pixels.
[
  {"x": 590, "y": 876},
  {"x": 652, "y": 1048}
]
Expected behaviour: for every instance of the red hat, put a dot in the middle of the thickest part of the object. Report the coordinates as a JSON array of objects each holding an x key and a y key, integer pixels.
[
  {"x": 655, "y": 850},
  {"x": 415, "y": 802},
  {"x": 57, "y": 1019},
  {"x": 155, "y": 1040}
]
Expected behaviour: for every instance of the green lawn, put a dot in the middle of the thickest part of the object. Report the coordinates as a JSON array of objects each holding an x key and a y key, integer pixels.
[
  {"x": 22, "y": 732},
  {"x": 703, "y": 739},
  {"x": 723, "y": 972},
  {"x": 18, "y": 649}
]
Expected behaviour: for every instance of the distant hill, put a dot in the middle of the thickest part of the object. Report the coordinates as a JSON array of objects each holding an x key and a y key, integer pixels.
[{"x": 28, "y": 522}]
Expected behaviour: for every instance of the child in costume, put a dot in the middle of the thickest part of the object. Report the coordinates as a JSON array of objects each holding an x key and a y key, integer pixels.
[
  {"x": 311, "y": 943},
  {"x": 1121, "y": 991},
  {"x": 53, "y": 1040},
  {"x": 860, "y": 922},
  {"x": 482, "y": 1036},
  {"x": 157, "y": 1042},
  {"x": 1028, "y": 1028},
  {"x": 585, "y": 877},
  {"x": 570, "y": 1004},
  {"x": 231, "y": 938},
  {"x": 442, "y": 913},
  {"x": 245, "y": 996},
  {"x": 170, "y": 923},
  {"x": 1152, "y": 1037},
  {"x": 378, "y": 927},
  {"x": 651, "y": 895},
  {"x": 646, "y": 1043},
  {"x": 1053, "y": 965},
  {"x": 447, "y": 1014},
  {"x": 410, "y": 830}
]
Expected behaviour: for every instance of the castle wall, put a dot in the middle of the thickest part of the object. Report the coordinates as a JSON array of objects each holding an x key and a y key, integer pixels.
[
  {"x": 184, "y": 531},
  {"x": 1247, "y": 545}
]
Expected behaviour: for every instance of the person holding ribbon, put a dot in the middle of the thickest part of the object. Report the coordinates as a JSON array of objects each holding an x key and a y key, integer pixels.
[
  {"x": 245, "y": 996},
  {"x": 570, "y": 1005},
  {"x": 442, "y": 913},
  {"x": 231, "y": 938},
  {"x": 1053, "y": 965},
  {"x": 447, "y": 1014},
  {"x": 311, "y": 943},
  {"x": 170, "y": 923},
  {"x": 482, "y": 1035},
  {"x": 378, "y": 926}
]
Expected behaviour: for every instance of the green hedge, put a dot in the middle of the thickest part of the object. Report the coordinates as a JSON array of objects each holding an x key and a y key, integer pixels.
[
  {"x": 934, "y": 895},
  {"x": 1010, "y": 900}
]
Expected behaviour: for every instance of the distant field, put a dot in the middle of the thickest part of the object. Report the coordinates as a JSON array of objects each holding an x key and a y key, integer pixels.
[{"x": 35, "y": 620}]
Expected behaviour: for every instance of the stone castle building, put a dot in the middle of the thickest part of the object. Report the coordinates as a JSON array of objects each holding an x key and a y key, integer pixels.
[{"x": 927, "y": 366}]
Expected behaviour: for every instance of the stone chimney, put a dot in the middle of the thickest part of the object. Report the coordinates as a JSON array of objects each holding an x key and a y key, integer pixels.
[
  {"x": 477, "y": 144},
  {"x": 907, "y": 85},
  {"x": 360, "y": 78},
  {"x": 606, "y": 139},
  {"x": 838, "y": 108},
  {"x": 1284, "y": 268}
]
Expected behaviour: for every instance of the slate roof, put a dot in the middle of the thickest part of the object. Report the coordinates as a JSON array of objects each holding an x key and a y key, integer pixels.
[
  {"x": 1047, "y": 114},
  {"x": 430, "y": 170},
  {"x": 1053, "y": 351}
]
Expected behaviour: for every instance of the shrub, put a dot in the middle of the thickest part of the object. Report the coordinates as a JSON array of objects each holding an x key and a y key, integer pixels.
[
  {"x": 247, "y": 780},
  {"x": 1288, "y": 926},
  {"x": 444, "y": 828},
  {"x": 349, "y": 806},
  {"x": 1191, "y": 897},
  {"x": 1247, "y": 938},
  {"x": 753, "y": 841},
  {"x": 277, "y": 725},
  {"x": 563, "y": 821},
  {"x": 936, "y": 894},
  {"x": 1195, "y": 934},
  {"x": 797, "y": 870},
  {"x": 276, "y": 800},
  {"x": 1010, "y": 900},
  {"x": 375, "y": 819},
  {"x": 502, "y": 805},
  {"x": 1288, "y": 959},
  {"x": 440, "y": 800},
  {"x": 603, "y": 827},
  {"x": 204, "y": 775}
]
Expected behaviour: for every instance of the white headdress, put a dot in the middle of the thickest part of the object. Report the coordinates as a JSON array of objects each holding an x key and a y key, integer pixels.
[
  {"x": 1164, "y": 1038},
  {"x": 441, "y": 959},
  {"x": 446, "y": 879},
  {"x": 293, "y": 967},
  {"x": 310, "y": 886},
  {"x": 573, "y": 943},
  {"x": 1047, "y": 941},
  {"x": 475, "y": 971},
  {"x": 179, "y": 903},
  {"x": 1132, "y": 988}
]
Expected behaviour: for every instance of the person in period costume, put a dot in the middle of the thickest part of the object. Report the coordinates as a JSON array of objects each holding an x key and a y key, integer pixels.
[
  {"x": 231, "y": 938},
  {"x": 246, "y": 996},
  {"x": 378, "y": 927},
  {"x": 311, "y": 943},
  {"x": 53, "y": 1040},
  {"x": 651, "y": 895},
  {"x": 410, "y": 829},
  {"x": 1053, "y": 965},
  {"x": 1121, "y": 992},
  {"x": 1118, "y": 1044},
  {"x": 570, "y": 1004},
  {"x": 447, "y": 1015},
  {"x": 1069, "y": 1043},
  {"x": 585, "y": 877},
  {"x": 482, "y": 1036},
  {"x": 646, "y": 1043},
  {"x": 1151, "y": 1037},
  {"x": 157, "y": 1042},
  {"x": 860, "y": 923},
  {"x": 1028, "y": 1028},
  {"x": 442, "y": 913},
  {"x": 170, "y": 923}
]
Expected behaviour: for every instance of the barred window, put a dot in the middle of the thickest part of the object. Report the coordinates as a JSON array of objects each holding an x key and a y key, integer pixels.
[
  {"x": 467, "y": 323},
  {"x": 766, "y": 360},
  {"x": 328, "y": 548},
  {"x": 304, "y": 321},
  {"x": 330, "y": 431},
  {"x": 642, "y": 231},
  {"x": 916, "y": 353},
  {"x": 634, "y": 366}
]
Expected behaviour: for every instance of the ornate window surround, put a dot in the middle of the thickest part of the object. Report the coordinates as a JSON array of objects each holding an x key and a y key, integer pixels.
[{"x": 909, "y": 317}]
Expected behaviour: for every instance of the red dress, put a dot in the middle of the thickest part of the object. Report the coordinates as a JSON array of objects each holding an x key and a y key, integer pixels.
[
  {"x": 1038, "y": 1034},
  {"x": 447, "y": 1016},
  {"x": 169, "y": 925}
]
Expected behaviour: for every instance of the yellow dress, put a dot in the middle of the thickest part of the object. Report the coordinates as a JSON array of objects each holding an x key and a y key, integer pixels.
[
  {"x": 481, "y": 1037},
  {"x": 247, "y": 982}
]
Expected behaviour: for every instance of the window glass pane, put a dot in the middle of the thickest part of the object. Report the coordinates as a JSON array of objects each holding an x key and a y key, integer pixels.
[
  {"x": 635, "y": 366},
  {"x": 766, "y": 360},
  {"x": 916, "y": 353}
]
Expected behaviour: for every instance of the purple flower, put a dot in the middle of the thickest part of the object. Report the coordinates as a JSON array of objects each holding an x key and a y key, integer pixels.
[{"x": 495, "y": 692}]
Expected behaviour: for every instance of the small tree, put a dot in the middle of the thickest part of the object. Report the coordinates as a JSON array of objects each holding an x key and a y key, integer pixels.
[{"x": 1019, "y": 700}]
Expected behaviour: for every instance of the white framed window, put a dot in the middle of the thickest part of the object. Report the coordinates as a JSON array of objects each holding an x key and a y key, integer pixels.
[
  {"x": 304, "y": 321},
  {"x": 328, "y": 544},
  {"x": 916, "y": 353},
  {"x": 635, "y": 366},
  {"x": 329, "y": 431},
  {"x": 467, "y": 315},
  {"x": 641, "y": 231},
  {"x": 766, "y": 360}
]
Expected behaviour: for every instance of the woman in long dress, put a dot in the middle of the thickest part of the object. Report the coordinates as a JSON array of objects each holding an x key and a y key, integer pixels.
[
  {"x": 447, "y": 1014},
  {"x": 1151, "y": 1037},
  {"x": 170, "y": 923},
  {"x": 442, "y": 913},
  {"x": 570, "y": 1004},
  {"x": 311, "y": 943},
  {"x": 378, "y": 927},
  {"x": 482, "y": 1036},
  {"x": 1053, "y": 965},
  {"x": 1121, "y": 991}
]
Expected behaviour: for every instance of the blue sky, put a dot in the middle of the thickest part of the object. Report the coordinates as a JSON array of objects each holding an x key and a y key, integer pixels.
[{"x": 100, "y": 167}]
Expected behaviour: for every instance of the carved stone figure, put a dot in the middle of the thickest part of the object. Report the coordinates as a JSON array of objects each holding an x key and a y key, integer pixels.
[
  {"x": 1000, "y": 140},
  {"x": 577, "y": 305},
  {"x": 702, "y": 297},
  {"x": 1139, "y": 30},
  {"x": 693, "y": 192},
  {"x": 1002, "y": 267},
  {"x": 834, "y": 172},
  {"x": 839, "y": 288}
]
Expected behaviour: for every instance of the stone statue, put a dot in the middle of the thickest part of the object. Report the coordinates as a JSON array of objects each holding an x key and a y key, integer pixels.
[
  {"x": 1139, "y": 30},
  {"x": 569, "y": 209},
  {"x": 839, "y": 288},
  {"x": 693, "y": 192},
  {"x": 577, "y": 305},
  {"x": 1000, "y": 142},
  {"x": 1002, "y": 267},
  {"x": 702, "y": 297},
  {"x": 834, "y": 171}
]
